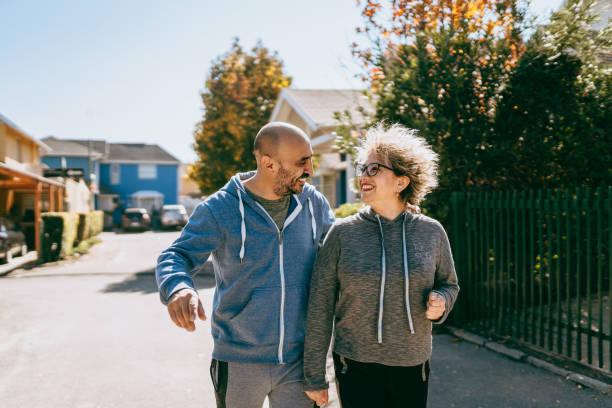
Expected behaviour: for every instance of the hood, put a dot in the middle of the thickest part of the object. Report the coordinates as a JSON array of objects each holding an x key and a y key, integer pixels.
[
  {"x": 368, "y": 214},
  {"x": 235, "y": 187}
]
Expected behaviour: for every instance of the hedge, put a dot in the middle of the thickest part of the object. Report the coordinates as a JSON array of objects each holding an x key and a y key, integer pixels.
[
  {"x": 65, "y": 230},
  {"x": 59, "y": 234},
  {"x": 347, "y": 209},
  {"x": 90, "y": 225}
]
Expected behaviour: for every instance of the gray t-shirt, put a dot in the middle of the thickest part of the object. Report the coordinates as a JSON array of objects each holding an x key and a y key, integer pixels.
[{"x": 277, "y": 209}]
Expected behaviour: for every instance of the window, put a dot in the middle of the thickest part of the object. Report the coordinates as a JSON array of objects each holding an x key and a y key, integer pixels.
[
  {"x": 147, "y": 171},
  {"x": 114, "y": 173}
]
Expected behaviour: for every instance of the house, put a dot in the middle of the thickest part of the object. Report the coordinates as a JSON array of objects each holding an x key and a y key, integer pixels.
[
  {"x": 139, "y": 174},
  {"x": 24, "y": 192},
  {"x": 312, "y": 110},
  {"x": 120, "y": 174}
]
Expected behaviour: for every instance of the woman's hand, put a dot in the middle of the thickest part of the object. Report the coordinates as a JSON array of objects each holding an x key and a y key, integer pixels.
[
  {"x": 319, "y": 397},
  {"x": 436, "y": 305}
]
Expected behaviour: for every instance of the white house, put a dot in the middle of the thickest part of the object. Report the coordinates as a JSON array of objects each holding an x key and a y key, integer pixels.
[{"x": 312, "y": 110}]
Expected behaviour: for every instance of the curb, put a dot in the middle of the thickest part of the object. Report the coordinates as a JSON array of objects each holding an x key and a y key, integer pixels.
[{"x": 536, "y": 362}]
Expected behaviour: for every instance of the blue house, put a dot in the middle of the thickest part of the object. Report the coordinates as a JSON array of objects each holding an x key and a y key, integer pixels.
[{"x": 124, "y": 174}]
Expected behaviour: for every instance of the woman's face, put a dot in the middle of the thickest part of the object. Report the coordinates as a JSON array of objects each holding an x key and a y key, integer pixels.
[{"x": 382, "y": 189}]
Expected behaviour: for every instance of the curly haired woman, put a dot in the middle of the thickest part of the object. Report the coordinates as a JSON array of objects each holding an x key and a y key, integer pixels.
[{"x": 381, "y": 278}]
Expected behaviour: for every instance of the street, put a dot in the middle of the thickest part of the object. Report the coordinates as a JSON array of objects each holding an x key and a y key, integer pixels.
[{"x": 91, "y": 332}]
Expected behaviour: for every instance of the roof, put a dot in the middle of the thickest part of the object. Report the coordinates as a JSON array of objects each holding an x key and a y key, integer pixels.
[
  {"x": 12, "y": 125},
  {"x": 114, "y": 152},
  {"x": 11, "y": 172},
  {"x": 66, "y": 147},
  {"x": 139, "y": 152},
  {"x": 319, "y": 105},
  {"x": 99, "y": 146}
]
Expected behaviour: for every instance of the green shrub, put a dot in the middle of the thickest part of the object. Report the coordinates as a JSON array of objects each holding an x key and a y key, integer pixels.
[
  {"x": 96, "y": 222},
  {"x": 83, "y": 229},
  {"x": 347, "y": 209},
  {"x": 60, "y": 233}
]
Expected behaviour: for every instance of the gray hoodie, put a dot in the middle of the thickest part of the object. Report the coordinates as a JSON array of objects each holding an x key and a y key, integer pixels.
[{"x": 371, "y": 279}]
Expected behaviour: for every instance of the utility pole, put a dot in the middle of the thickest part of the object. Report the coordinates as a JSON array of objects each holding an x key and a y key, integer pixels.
[{"x": 89, "y": 175}]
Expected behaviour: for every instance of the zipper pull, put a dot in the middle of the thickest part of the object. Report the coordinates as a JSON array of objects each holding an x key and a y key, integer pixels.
[{"x": 280, "y": 236}]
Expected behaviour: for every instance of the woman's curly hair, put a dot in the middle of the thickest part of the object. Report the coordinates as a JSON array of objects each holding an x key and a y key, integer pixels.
[{"x": 408, "y": 154}]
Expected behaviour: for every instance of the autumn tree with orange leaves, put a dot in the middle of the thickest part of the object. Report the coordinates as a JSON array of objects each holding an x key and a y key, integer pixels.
[
  {"x": 439, "y": 66},
  {"x": 241, "y": 91}
]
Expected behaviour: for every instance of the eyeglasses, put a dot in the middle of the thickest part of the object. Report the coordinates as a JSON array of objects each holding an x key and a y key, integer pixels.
[{"x": 371, "y": 169}]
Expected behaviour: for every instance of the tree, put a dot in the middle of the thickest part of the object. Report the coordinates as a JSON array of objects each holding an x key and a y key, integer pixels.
[
  {"x": 552, "y": 127},
  {"x": 241, "y": 92},
  {"x": 439, "y": 66}
]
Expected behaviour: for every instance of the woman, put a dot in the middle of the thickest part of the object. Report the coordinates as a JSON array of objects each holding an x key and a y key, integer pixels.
[{"x": 381, "y": 278}]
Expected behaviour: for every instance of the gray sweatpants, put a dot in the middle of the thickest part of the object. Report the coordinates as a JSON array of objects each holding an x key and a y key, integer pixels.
[{"x": 246, "y": 385}]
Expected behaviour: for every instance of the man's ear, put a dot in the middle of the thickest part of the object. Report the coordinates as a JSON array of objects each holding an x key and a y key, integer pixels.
[{"x": 268, "y": 164}]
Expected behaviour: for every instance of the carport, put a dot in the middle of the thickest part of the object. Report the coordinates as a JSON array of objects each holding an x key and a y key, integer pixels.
[{"x": 24, "y": 196}]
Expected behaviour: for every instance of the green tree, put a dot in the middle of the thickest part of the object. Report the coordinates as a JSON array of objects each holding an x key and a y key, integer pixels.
[
  {"x": 439, "y": 67},
  {"x": 241, "y": 91},
  {"x": 552, "y": 127}
]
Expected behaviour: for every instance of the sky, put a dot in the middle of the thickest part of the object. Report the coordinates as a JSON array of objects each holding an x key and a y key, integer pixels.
[{"x": 132, "y": 70}]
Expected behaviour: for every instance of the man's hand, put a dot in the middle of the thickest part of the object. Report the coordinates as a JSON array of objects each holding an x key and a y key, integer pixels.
[
  {"x": 319, "y": 397},
  {"x": 183, "y": 307},
  {"x": 436, "y": 305}
]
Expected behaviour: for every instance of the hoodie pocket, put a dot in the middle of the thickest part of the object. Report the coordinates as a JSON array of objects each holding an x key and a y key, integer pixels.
[{"x": 258, "y": 322}]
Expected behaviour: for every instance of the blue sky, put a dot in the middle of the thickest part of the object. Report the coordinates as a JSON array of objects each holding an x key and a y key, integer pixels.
[{"x": 132, "y": 70}]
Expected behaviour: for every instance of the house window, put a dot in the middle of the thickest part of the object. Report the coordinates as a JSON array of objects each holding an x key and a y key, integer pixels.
[
  {"x": 114, "y": 173},
  {"x": 326, "y": 184},
  {"x": 147, "y": 171}
]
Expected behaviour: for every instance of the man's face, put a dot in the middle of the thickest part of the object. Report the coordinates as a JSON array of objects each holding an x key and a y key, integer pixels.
[{"x": 295, "y": 166}]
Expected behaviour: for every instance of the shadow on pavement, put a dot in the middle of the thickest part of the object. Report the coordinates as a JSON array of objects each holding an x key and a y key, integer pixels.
[{"x": 144, "y": 282}]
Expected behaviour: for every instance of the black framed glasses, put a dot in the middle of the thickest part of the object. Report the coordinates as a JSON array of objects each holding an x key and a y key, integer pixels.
[{"x": 370, "y": 169}]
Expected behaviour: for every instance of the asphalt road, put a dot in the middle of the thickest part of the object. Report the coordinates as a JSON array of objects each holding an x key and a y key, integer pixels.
[{"x": 91, "y": 333}]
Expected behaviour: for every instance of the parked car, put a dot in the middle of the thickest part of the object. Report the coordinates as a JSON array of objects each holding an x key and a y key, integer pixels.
[
  {"x": 173, "y": 216},
  {"x": 12, "y": 241},
  {"x": 135, "y": 219}
]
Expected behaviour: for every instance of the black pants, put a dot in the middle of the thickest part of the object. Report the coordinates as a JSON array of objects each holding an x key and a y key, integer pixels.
[{"x": 371, "y": 385}]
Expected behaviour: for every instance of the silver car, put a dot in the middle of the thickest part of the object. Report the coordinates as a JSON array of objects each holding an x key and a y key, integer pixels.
[{"x": 173, "y": 216}]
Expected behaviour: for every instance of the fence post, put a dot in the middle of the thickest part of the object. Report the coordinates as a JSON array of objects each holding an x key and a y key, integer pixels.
[{"x": 458, "y": 236}]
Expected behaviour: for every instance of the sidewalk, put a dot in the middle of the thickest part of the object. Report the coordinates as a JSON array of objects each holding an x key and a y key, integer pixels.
[{"x": 466, "y": 375}]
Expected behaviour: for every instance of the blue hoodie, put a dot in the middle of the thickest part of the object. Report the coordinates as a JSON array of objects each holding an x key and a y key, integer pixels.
[{"x": 262, "y": 274}]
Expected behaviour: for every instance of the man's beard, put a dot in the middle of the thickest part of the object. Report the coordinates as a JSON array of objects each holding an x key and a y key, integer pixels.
[{"x": 286, "y": 184}]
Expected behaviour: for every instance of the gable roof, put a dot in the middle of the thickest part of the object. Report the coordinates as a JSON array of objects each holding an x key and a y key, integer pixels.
[
  {"x": 317, "y": 106},
  {"x": 111, "y": 152},
  {"x": 67, "y": 147},
  {"x": 139, "y": 152}
]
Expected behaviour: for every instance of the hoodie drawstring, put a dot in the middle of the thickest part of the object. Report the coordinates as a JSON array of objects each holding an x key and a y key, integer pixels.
[
  {"x": 242, "y": 225},
  {"x": 381, "y": 302},
  {"x": 314, "y": 223},
  {"x": 384, "y": 277},
  {"x": 406, "y": 279}
]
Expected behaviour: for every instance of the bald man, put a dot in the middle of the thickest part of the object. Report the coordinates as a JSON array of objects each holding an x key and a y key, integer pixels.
[{"x": 263, "y": 230}]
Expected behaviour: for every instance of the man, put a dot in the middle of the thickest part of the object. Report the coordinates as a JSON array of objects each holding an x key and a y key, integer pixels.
[{"x": 263, "y": 230}]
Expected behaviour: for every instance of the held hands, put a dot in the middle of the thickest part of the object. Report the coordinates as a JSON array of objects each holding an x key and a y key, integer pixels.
[
  {"x": 319, "y": 397},
  {"x": 436, "y": 305},
  {"x": 183, "y": 307}
]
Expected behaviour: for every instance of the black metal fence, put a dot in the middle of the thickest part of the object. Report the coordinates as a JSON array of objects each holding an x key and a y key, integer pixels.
[{"x": 536, "y": 266}]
